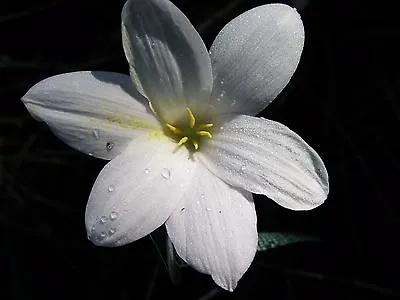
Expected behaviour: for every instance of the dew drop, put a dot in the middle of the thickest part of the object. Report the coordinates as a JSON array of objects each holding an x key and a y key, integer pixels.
[
  {"x": 243, "y": 167},
  {"x": 222, "y": 82},
  {"x": 165, "y": 173},
  {"x": 103, "y": 235},
  {"x": 113, "y": 215},
  {"x": 109, "y": 146},
  {"x": 146, "y": 171},
  {"x": 110, "y": 188},
  {"x": 221, "y": 128},
  {"x": 103, "y": 220},
  {"x": 90, "y": 154},
  {"x": 96, "y": 134},
  {"x": 111, "y": 231}
]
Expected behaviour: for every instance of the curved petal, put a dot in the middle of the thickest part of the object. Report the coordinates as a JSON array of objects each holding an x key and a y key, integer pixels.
[
  {"x": 169, "y": 61},
  {"x": 98, "y": 113},
  {"x": 137, "y": 191},
  {"x": 214, "y": 229},
  {"x": 266, "y": 157},
  {"x": 254, "y": 57}
]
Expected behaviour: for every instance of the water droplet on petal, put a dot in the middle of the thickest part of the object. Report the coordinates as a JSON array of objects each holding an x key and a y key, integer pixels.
[
  {"x": 222, "y": 81},
  {"x": 113, "y": 215},
  {"x": 96, "y": 134},
  {"x": 103, "y": 235},
  {"x": 103, "y": 220},
  {"x": 165, "y": 173},
  {"x": 111, "y": 231},
  {"x": 109, "y": 146},
  {"x": 110, "y": 188},
  {"x": 146, "y": 171},
  {"x": 90, "y": 154}
]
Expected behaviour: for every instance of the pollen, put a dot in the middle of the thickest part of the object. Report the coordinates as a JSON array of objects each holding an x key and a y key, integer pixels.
[{"x": 190, "y": 132}]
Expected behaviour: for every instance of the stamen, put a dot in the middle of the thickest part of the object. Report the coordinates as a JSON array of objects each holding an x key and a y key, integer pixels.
[
  {"x": 183, "y": 140},
  {"x": 196, "y": 145},
  {"x": 204, "y": 133},
  {"x": 173, "y": 129},
  {"x": 191, "y": 118},
  {"x": 205, "y": 126}
]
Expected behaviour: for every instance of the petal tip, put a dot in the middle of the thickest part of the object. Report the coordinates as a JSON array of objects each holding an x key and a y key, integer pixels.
[{"x": 226, "y": 285}]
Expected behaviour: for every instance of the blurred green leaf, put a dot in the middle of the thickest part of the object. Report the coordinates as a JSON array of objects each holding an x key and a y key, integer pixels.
[{"x": 269, "y": 240}]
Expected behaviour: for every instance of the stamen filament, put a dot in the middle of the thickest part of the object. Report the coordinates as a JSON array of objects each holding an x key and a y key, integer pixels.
[
  {"x": 204, "y": 133},
  {"x": 183, "y": 140},
  {"x": 174, "y": 129},
  {"x": 205, "y": 126},
  {"x": 191, "y": 118},
  {"x": 196, "y": 145}
]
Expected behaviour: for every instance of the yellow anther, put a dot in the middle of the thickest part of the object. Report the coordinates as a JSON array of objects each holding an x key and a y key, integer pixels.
[
  {"x": 191, "y": 118},
  {"x": 205, "y": 126},
  {"x": 196, "y": 145},
  {"x": 183, "y": 140},
  {"x": 174, "y": 129},
  {"x": 204, "y": 133}
]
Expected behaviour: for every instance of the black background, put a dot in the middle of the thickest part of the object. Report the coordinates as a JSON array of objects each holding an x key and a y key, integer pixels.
[{"x": 343, "y": 100}]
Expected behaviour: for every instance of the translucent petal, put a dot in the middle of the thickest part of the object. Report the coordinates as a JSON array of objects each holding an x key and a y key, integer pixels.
[
  {"x": 169, "y": 61},
  {"x": 266, "y": 157},
  {"x": 137, "y": 191},
  {"x": 98, "y": 113},
  {"x": 214, "y": 229},
  {"x": 254, "y": 57}
]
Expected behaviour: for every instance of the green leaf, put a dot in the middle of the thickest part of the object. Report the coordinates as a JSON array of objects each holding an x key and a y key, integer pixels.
[{"x": 269, "y": 240}]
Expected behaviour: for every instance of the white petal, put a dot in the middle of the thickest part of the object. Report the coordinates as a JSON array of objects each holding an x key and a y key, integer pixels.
[
  {"x": 266, "y": 157},
  {"x": 98, "y": 113},
  {"x": 137, "y": 191},
  {"x": 169, "y": 61},
  {"x": 214, "y": 229},
  {"x": 254, "y": 57}
]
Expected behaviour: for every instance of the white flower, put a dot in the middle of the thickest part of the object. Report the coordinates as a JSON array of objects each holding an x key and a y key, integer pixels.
[{"x": 184, "y": 149}]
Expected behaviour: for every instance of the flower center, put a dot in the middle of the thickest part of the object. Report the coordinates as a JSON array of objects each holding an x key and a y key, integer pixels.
[{"x": 192, "y": 133}]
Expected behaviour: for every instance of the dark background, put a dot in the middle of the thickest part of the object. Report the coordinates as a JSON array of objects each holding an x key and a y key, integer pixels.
[{"x": 343, "y": 100}]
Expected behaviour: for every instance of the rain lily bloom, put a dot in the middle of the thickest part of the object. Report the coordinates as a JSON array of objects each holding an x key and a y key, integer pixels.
[{"x": 184, "y": 146}]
